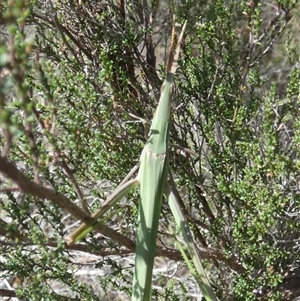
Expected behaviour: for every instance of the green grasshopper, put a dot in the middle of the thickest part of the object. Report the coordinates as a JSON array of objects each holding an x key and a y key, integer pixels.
[{"x": 152, "y": 177}]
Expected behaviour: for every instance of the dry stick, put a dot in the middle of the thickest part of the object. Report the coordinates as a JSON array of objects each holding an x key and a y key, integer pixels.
[
  {"x": 10, "y": 170},
  {"x": 205, "y": 253},
  {"x": 75, "y": 185},
  {"x": 124, "y": 187}
]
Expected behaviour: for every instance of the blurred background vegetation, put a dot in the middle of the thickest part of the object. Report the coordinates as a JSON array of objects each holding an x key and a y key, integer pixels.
[{"x": 79, "y": 83}]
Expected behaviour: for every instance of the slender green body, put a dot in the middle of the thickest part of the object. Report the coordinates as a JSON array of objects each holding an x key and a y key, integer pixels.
[{"x": 152, "y": 177}]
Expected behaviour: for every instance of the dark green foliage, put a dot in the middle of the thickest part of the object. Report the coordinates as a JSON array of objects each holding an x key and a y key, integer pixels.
[{"x": 78, "y": 88}]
